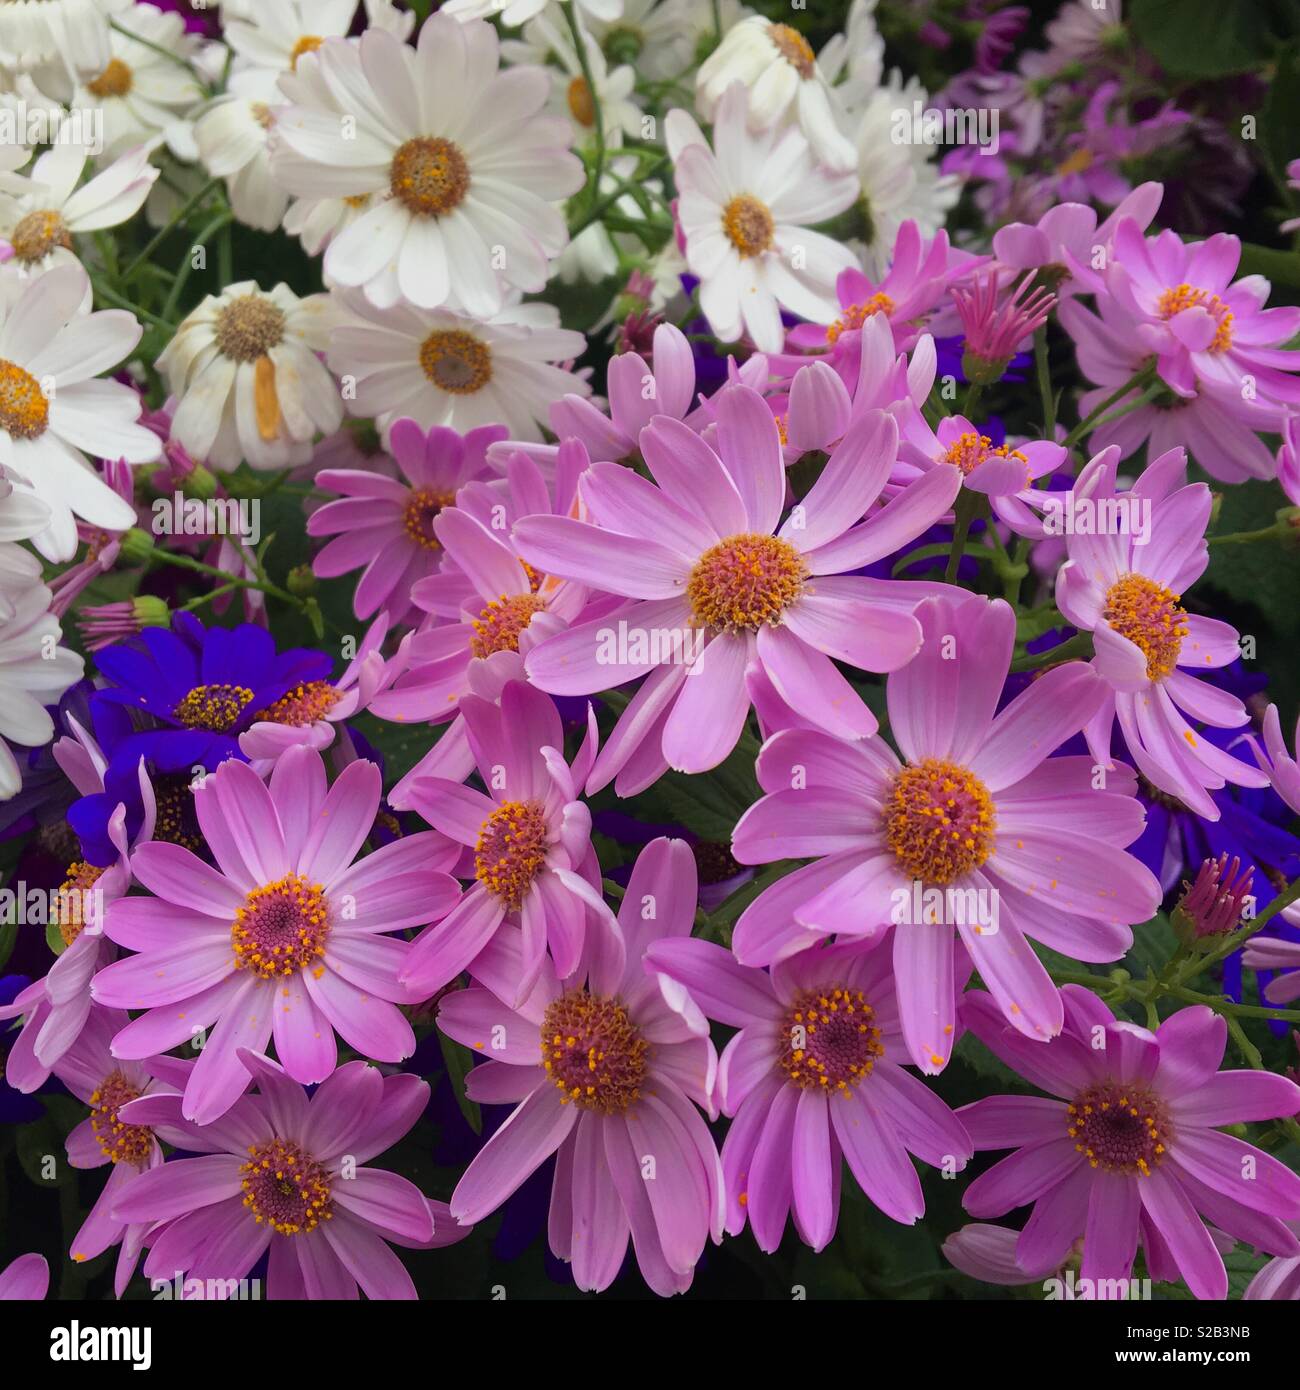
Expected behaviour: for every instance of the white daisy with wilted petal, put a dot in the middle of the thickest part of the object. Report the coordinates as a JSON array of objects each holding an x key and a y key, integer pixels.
[
  {"x": 52, "y": 407},
  {"x": 442, "y": 368},
  {"x": 248, "y": 382},
  {"x": 41, "y": 212},
  {"x": 745, "y": 213},
  {"x": 779, "y": 68},
  {"x": 468, "y": 172}
]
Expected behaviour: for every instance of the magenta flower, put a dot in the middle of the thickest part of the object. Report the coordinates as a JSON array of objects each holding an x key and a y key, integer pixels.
[
  {"x": 1279, "y": 1280},
  {"x": 385, "y": 525},
  {"x": 811, "y": 1078},
  {"x": 1125, "y": 587},
  {"x": 1130, "y": 1145},
  {"x": 284, "y": 937},
  {"x": 25, "y": 1280},
  {"x": 976, "y": 828},
  {"x": 1205, "y": 329},
  {"x": 285, "y": 1174},
  {"x": 718, "y": 585},
  {"x": 531, "y": 843},
  {"x": 605, "y": 1071},
  {"x": 994, "y": 325}
]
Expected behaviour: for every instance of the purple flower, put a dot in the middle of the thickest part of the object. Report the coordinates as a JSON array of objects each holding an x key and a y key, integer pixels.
[{"x": 26, "y": 1279}]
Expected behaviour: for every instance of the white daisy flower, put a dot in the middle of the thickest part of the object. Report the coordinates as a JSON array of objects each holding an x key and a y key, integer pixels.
[
  {"x": 34, "y": 669},
  {"x": 854, "y": 61},
  {"x": 52, "y": 407},
  {"x": 744, "y": 212},
  {"x": 777, "y": 65},
  {"x": 248, "y": 382},
  {"x": 140, "y": 90},
  {"x": 442, "y": 368},
  {"x": 73, "y": 31},
  {"x": 40, "y": 221},
  {"x": 516, "y": 12},
  {"x": 317, "y": 221},
  {"x": 22, "y": 514},
  {"x": 658, "y": 36},
  {"x": 233, "y": 136},
  {"x": 470, "y": 170},
  {"x": 276, "y": 35}
]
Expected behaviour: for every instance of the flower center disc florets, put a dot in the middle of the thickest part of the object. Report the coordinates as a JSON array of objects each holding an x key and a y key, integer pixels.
[
  {"x": 79, "y": 881},
  {"x": 118, "y": 1142},
  {"x": 594, "y": 1053},
  {"x": 281, "y": 928},
  {"x": 829, "y": 1039},
  {"x": 115, "y": 81},
  {"x": 794, "y": 48},
  {"x": 37, "y": 234},
  {"x": 24, "y": 410},
  {"x": 303, "y": 705},
  {"x": 510, "y": 850},
  {"x": 970, "y": 450},
  {"x": 498, "y": 626},
  {"x": 429, "y": 176},
  {"x": 1150, "y": 617},
  {"x": 309, "y": 43},
  {"x": 748, "y": 224},
  {"x": 213, "y": 707},
  {"x": 939, "y": 821},
  {"x": 1174, "y": 301},
  {"x": 286, "y": 1188},
  {"x": 581, "y": 106},
  {"x": 744, "y": 582},
  {"x": 456, "y": 361},
  {"x": 176, "y": 821},
  {"x": 419, "y": 514},
  {"x": 249, "y": 327},
  {"x": 857, "y": 314},
  {"x": 1119, "y": 1127}
]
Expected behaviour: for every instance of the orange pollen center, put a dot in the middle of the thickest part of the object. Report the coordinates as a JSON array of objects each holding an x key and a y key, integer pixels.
[
  {"x": 794, "y": 48},
  {"x": 24, "y": 410},
  {"x": 456, "y": 361},
  {"x": 309, "y": 43},
  {"x": 429, "y": 176},
  {"x": 37, "y": 234},
  {"x": 581, "y": 106},
  {"x": 939, "y": 821},
  {"x": 971, "y": 450},
  {"x": 748, "y": 225},
  {"x": 303, "y": 705},
  {"x": 73, "y": 904},
  {"x": 115, "y": 81},
  {"x": 497, "y": 627},
  {"x": 594, "y": 1053},
  {"x": 176, "y": 821},
  {"x": 248, "y": 328},
  {"x": 1119, "y": 1127},
  {"x": 744, "y": 582},
  {"x": 1150, "y": 617},
  {"x": 281, "y": 928},
  {"x": 419, "y": 514},
  {"x": 216, "y": 708},
  {"x": 118, "y": 1142},
  {"x": 1186, "y": 296},
  {"x": 857, "y": 314},
  {"x": 1076, "y": 163},
  {"x": 829, "y": 1039},
  {"x": 262, "y": 114},
  {"x": 510, "y": 850},
  {"x": 285, "y": 1188}
]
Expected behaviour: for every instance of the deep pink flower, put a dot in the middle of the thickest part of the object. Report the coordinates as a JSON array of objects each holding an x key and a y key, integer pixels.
[
  {"x": 994, "y": 325},
  {"x": 1130, "y": 1146},
  {"x": 288, "y": 1175},
  {"x": 605, "y": 1070},
  {"x": 1015, "y": 842},
  {"x": 285, "y": 936},
  {"x": 25, "y": 1280},
  {"x": 813, "y": 1077}
]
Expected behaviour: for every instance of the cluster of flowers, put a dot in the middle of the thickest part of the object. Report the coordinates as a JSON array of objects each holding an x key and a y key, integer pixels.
[{"x": 762, "y": 552}]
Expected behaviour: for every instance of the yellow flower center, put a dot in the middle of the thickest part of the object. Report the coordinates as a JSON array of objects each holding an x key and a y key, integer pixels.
[
  {"x": 286, "y": 1188},
  {"x": 248, "y": 328},
  {"x": 794, "y": 48},
  {"x": 24, "y": 410},
  {"x": 970, "y": 450},
  {"x": 456, "y": 361},
  {"x": 510, "y": 850},
  {"x": 939, "y": 821},
  {"x": 309, "y": 43},
  {"x": 829, "y": 1039},
  {"x": 1174, "y": 301},
  {"x": 419, "y": 514},
  {"x": 498, "y": 626},
  {"x": 744, "y": 582},
  {"x": 593, "y": 1053},
  {"x": 748, "y": 225},
  {"x": 582, "y": 107},
  {"x": 1150, "y": 617},
  {"x": 72, "y": 909},
  {"x": 303, "y": 705},
  {"x": 115, "y": 81},
  {"x": 1119, "y": 1127},
  {"x": 857, "y": 314},
  {"x": 118, "y": 1142},
  {"x": 429, "y": 176},
  {"x": 281, "y": 928},
  {"x": 213, "y": 707}
]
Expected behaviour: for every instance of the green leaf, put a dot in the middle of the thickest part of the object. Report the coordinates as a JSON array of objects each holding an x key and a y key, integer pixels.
[
  {"x": 457, "y": 1059},
  {"x": 1201, "y": 38}
]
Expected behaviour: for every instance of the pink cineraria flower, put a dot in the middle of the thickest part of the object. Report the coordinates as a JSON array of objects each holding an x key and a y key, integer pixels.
[
  {"x": 1278, "y": 1280},
  {"x": 531, "y": 841},
  {"x": 1130, "y": 1146},
  {"x": 812, "y": 1078},
  {"x": 719, "y": 586},
  {"x": 994, "y": 326},
  {"x": 1125, "y": 587},
  {"x": 1221, "y": 432},
  {"x": 386, "y": 524},
  {"x": 605, "y": 1070},
  {"x": 285, "y": 936},
  {"x": 976, "y": 803},
  {"x": 1205, "y": 329},
  {"x": 1288, "y": 459},
  {"x": 285, "y": 1175},
  {"x": 25, "y": 1280}
]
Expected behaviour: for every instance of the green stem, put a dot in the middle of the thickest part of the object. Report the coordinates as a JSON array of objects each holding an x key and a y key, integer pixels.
[
  {"x": 1269, "y": 533},
  {"x": 966, "y": 510},
  {"x": 1045, "y": 383},
  {"x": 1237, "y": 939},
  {"x": 1137, "y": 381},
  {"x": 220, "y": 221},
  {"x": 1079, "y": 645},
  {"x": 177, "y": 218},
  {"x": 580, "y": 47},
  {"x": 171, "y": 557}
]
